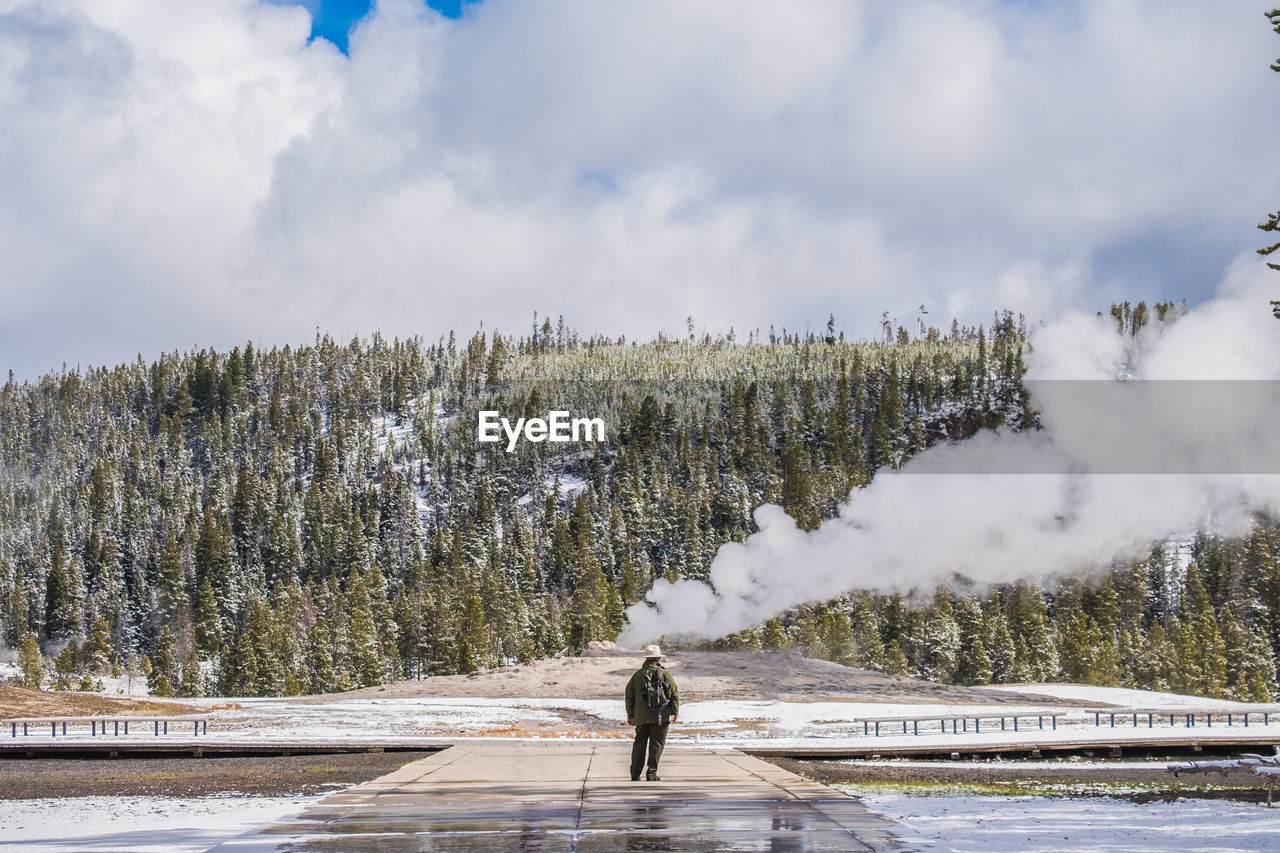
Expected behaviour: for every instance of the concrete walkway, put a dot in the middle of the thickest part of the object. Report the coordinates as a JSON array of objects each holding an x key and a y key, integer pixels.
[{"x": 546, "y": 796}]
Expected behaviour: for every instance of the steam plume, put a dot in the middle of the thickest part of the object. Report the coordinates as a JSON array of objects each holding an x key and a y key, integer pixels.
[{"x": 1117, "y": 466}]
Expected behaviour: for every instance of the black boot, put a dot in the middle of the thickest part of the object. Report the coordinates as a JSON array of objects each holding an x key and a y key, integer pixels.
[{"x": 652, "y": 776}]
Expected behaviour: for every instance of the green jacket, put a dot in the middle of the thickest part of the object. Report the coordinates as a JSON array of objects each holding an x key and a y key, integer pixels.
[{"x": 636, "y": 707}]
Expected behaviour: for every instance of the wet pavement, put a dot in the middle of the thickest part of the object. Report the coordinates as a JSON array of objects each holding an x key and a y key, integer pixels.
[{"x": 540, "y": 796}]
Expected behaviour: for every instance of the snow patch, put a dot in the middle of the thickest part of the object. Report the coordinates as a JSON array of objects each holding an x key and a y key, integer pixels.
[
  {"x": 139, "y": 824},
  {"x": 996, "y": 824},
  {"x": 1119, "y": 696},
  {"x": 570, "y": 486}
]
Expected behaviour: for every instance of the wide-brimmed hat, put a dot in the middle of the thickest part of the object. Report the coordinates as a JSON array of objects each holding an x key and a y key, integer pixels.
[{"x": 652, "y": 651}]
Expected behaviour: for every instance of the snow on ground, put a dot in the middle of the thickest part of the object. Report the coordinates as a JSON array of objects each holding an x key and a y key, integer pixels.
[
  {"x": 372, "y": 718},
  {"x": 801, "y": 716},
  {"x": 133, "y": 687},
  {"x": 774, "y": 723},
  {"x": 570, "y": 485},
  {"x": 1121, "y": 696},
  {"x": 994, "y": 824},
  {"x": 719, "y": 722},
  {"x": 441, "y": 717},
  {"x": 386, "y": 430},
  {"x": 159, "y": 824}
]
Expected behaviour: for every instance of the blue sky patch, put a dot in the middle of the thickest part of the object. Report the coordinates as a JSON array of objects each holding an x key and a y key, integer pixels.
[{"x": 333, "y": 20}]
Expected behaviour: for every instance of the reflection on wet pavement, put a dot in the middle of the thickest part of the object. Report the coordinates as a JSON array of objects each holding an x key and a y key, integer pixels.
[{"x": 530, "y": 796}]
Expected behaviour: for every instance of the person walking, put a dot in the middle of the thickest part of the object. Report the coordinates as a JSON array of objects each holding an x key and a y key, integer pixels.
[{"x": 653, "y": 703}]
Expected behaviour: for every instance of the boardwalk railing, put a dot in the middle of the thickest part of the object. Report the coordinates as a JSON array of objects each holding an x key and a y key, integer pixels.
[
  {"x": 1102, "y": 717},
  {"x": 960, "y": 723},
  {"x": 1187, "y": 718},
  {"x": 99, "y": 724}
]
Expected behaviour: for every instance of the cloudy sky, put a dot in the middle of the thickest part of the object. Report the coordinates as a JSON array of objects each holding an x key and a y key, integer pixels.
[{"x": 211, "y": 171}]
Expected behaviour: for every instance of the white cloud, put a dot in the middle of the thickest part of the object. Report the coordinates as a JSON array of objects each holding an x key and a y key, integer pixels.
[{"x": 181, "y": 174}]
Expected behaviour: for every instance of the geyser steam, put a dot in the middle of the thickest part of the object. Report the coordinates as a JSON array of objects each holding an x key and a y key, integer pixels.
[{"x": 1107, "y": 476}]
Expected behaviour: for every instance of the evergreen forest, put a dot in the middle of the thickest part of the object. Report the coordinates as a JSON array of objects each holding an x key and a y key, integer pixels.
[{"x": 289, "y": 520}]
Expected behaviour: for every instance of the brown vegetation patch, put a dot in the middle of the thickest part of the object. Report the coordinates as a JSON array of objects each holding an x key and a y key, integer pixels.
[{"x": 21, "y": 702}]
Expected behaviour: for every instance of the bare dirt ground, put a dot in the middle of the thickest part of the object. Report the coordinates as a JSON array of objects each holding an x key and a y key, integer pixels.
[
  {"x": 20, "y": 702},
  {"x": 602, "y": 673},
  {"x": 24, "y": 779}
]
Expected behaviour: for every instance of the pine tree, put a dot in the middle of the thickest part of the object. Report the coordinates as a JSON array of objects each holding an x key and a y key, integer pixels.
[
  {"x": 472, "y": 640},
  {"x": 292, "y": 686},
  {"x": 1088, "y": 656},
  {"x": 837, "y": 633},
  {"x": 597, "y": 610},
  {"x": 895, "y": 661},
  {"x": 774, "y": 636},
  {"x": 208, "y": 628},
  {"x": 1029, "y": 624},
  {"x": 880, "y": 444},
  {"x": 629, "y": 583},
  {"x": 97, "y": 649},
  {"x": 319, "y": 656},
  {"x": 1156, "y": 659},
  {"x": 192, "y": 681},
  {"x": 1003, "y": 652},
  {"x": 1128, "y": 652},
  {"x": 940, "y": 641},
  {"x": 366, "y": 665},
  {"x": 164, "y": 663},
  {"x": 1202, "y": 661},
  {"x": 16, "y": 625},
  {"x": 161, "y": 686},
  {"x": 266, "y": 674},
  {"x": 806, "y": 633},
  {"x": 62, "y": 603},
  {"x": 248, "y": 664},
  {"x": 866, "y": 635},
  {"x": 797, "y": 488},
  {"x": 1248, "y": 660},
  {"x": 64, "y": 667},
  {"x": 172, "y": 591},
  {"x": 1022, "y": 671},
  {"x": 30, "y": 664},
  {"x": 973, "y": 664},
  {"x": 388, "y": 632},
  {"x": 213, "y": 552},
  {"x": 1262, "y": 576}
]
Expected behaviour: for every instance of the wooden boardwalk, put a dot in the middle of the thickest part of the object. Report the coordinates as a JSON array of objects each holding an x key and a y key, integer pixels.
[{"x": 545, "y": 796}]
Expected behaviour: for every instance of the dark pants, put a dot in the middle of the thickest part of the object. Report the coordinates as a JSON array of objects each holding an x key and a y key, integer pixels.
[{"x": 652, "y": 736}]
